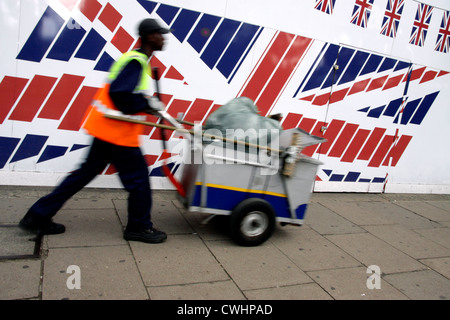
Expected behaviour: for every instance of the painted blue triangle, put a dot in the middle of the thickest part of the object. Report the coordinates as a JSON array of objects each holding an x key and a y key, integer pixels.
[
  {"x": 52, "y": 152},
  {"x": 328, "y": 172},
  {"x": 30, "y": 146},
  {"x": 78, "y": 146},
  {"x": 364, "y": 109},
  {"x": 376, "y": 112}
]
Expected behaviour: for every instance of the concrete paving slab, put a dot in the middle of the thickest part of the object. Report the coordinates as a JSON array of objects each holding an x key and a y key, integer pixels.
[
  {"x": 423, "y": 285},
  {"x": 181, "y": 259},
  {"x": 307, "y": 291},
  {"x": 438, "y": 235},
  {"x": 415, "y": 197},
  {"x": 351, "y": 284},
  {"x": 82, "y": 203},
  {"x": 408, "y": 241},
  {"x": 207, "y": 226},
  {"x": 257, "y": 267},
  {"x": 425, "y": 209},
  {"x": 13, "y": 209},
  {"x": 87, "y": 227},
  {"x": 311, "y": 251},
  {"x": 165, "y": 216},
  {"x": 359, "y": 213},
  {"x": 106, "y": 273},
  {"x": 218, "y": 290},
  {"x": 444, "y": 205},
  {"x": 325, "y": 221},
  {"x": 20, "y": 279},
  {"x": 370, "y": 250},
  {"x": 346, "y": 197},
  {"x": 378, "y": 212},
  {"x": 16, "y": 243},
  {"x": 440, "y": 265}
]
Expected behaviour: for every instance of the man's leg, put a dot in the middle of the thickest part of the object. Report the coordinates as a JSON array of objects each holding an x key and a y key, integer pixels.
[
  {"x": 40, "y": 214},
  {"x": 133, "y": 173}
]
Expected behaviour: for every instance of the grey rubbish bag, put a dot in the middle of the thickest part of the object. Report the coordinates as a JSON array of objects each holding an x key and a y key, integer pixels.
[{"x": 239, "y": 120}]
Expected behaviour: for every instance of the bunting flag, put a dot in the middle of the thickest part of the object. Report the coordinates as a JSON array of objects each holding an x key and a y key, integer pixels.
[
  {"x": 361, "y": 12},
  {"x": 421, "y": 24},
  {"x": 326, "y": 6},
  {"x": 391, "y": 19},
  {"x": 443, "y": 39}
]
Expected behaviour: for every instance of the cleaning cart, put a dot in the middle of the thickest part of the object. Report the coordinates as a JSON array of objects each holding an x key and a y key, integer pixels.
[
  {"x": 255, "y": 190},
  {"x": 256, "y": 185}
]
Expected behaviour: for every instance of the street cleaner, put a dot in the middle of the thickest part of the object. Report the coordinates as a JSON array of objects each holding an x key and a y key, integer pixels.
[{"x": 114, "y": 142}]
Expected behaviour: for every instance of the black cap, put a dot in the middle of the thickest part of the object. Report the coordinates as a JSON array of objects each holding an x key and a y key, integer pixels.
[{"x": 148, "y": 26}]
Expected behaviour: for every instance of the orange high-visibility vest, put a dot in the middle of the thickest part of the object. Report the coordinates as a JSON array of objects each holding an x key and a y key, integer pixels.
[{"x": 116, "y": 131}]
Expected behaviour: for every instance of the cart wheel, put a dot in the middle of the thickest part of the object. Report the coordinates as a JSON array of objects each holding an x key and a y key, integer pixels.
[{"x": 252, "y": 222}]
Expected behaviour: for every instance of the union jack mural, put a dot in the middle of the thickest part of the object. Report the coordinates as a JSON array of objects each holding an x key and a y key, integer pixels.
[
  {"x": 361, "y": 12},
  {"x": 443, "y": 39},
  {"x": 392, "y": 16},
  {"x": 421, "y": 24},
  {"x": 355, "y": 98}
]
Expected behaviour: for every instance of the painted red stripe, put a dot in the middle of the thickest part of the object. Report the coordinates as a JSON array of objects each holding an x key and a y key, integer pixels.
[
  {"x": 338, "y": 95},
  {"x": 213, "y": 108},
  {"x": 355, "y": 145},
  {"x": 282, "y": 74},
  {"x": 32, "y": 99},
  {"x": 371, "y": 144},
  {"x": 111, "y": 169},
  {"x": 393, "y": 82},
  {"x": 70, "y": 4},
  {"x": 156, "y": 63},
  {"x": 308, "y": 98},
  {"x": 10, "y": 90},
  {"x": 343, "y": 140},
  {"x": 74, "y": 117},
  {"x": 429, "y": 75},
  {"x": 322, "y": 99},
  {"x": 381, "y": 152},
  {"x": 377, "y": 83},
  {"x": 317, "y": 131},
  {"x": 148, "y": 129},
  {"x": 267, "y": 66},
  {"x": 415, "y": 74},
  {"x": 61, "y": 96},
  {"x": 90, "y": 8},
  {"x": 330, "y": 134},
  {"x": 177, "y": 106},
  {"x": 150, "y": 159},
  {"x": 173, "y": 73},
  {"x": 291, "y": 120},
  {"x": 307, "y": 124},
  {"x": 359, "y": 86},
  {"x": 397, "y": 150},
  {"x": 198, "y": 110},
  {"x": 165, "y": 98}
]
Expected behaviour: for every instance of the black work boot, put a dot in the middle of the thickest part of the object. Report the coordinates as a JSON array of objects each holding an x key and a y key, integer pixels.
[
  {"x": 148, "y": 236},
  {"x": 42, "y": 227}
]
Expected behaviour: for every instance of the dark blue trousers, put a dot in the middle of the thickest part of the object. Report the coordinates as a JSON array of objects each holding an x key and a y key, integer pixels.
[{"x": 133, "y": 173}]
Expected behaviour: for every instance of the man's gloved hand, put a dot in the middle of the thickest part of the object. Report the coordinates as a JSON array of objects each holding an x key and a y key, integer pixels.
[{"x": 155, "y": 105}]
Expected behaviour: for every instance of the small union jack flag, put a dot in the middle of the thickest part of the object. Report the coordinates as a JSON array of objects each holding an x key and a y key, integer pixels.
[
  {"x": 421, "y": 24},
  {"x": 392, "y": 15},
  {"x": 326, "y": 6},
  {"x": 443, "y": 39},
  {"x": 361, "y": 12}
]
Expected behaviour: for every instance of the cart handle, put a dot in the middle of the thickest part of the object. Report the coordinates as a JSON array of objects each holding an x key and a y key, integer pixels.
[{"x": 211, "y": 136}]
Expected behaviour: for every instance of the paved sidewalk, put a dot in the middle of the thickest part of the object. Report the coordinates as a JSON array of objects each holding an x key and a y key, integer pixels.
[{"x": 406, "y": 236}]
